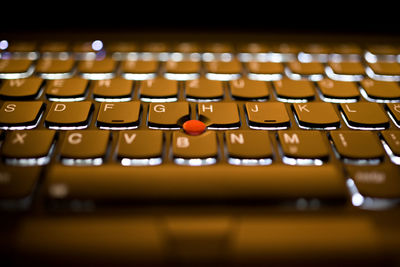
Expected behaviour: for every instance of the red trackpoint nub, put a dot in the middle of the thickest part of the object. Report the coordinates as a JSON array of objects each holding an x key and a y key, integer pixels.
[{"x": 194, "y": 127}]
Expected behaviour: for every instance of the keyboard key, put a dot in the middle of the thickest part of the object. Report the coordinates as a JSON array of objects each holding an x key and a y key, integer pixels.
[
  {"x": 394, "y": 109},
  {"x": 264, "y": 71},
  {"x": 20, "y": 115},
  {"x": 204, "y": 90},
  {"x": 139, "y": 69},
  {"x": 345, "y": 70},
  {"x": 313, "y": 71},
  {"x": 223, "y": 70},
  {"x": 219, "y": 115},
  {"x": 291, "y": 91},
  {"x": 168, "y": 115},
  {"x": 375, "y": 183},
  {"x": 303, "y": 147},
  {"x": 338, "y": 91},
  {"x": 316, "y": 115},
  {"x": 137, "y": 148},
  {"x": 358, "y": 146},
  {"x": 28, "y": 88},
  {"x": 17, "y": 185},
  {"x": 119, "y": 115},
  {"x": 54, "y": 68},
  {"x": 380, "y": 90},
  {"x": 112, "y": 90},
  {"x": 97, "y": 69},
  {"x": 392, "y": 139},
  {"x": 248, "y": 147},
  {"x": 73, "y": 89},
  {"x": 195, "y": 150},
  {"x": 182, "y": 70},
  {"x": 69, "y": 115},
  {"x": 384, "y": 71},
  {"x": 271, "y": 115},
  {"x": 249, "y": 89},
  {"x": 28, "y": 148},
  {"x": 158, "y": 90},
  {"x": 15, "y": 68},
  {"x": 87, "y": 147},
  {"x": 364, "y": 115}
]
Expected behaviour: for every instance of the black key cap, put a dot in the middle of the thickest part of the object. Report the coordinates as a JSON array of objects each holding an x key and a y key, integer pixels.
[
  {"x": 380, "y": 184},
  {"x": 219, "y": 115},
  {"x": 365, "y": 115},
  {"x": 119, "y": 115},
  {"x": 138, "y": 148},
  {"x": 358, "y": 146},
  {"x": 338, "y": 91},
  {"x": 168, "y": 115},
  {"x": 27, "y": 148},
  {"x": 28, "y": 88},
  {"x": 87, "y": 147},
  {"x": 248, "y": 147},
  {"x": 17, "y": 185},
  {"x": 271, "y": 115},
  {"x": 158, "y": 90},
  {"x": 204, "y": 90},
  {"x": 316, "y": 115},
  {"x": 249, "y": 89},
  {"x": 69, "y": 115},
  {"x": 195, "y": 150},
  {"x": 290, "y": 90},
  {"x": 112, "y": 90},
  {"x": 62, "y": 89},
  {"x": 20, "y": 115},
  {"x": 303, "y": 147}
]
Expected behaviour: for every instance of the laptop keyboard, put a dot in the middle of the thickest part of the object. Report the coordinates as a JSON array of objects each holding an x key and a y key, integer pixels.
[{"x": 122, "y": 122}]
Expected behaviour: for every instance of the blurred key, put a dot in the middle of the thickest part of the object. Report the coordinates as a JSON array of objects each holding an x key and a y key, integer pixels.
[
  {"x": 28, "y": 88},
  {"x": 204, "y": 90},
  {"x": 380, "y": 90},
  {"x": 139, "y": 69},
  {"x": 95, "y": 69},
  {"x": 345, "y": 70},
  {"x": 73, "y": 89},
  {"x": 182, "y": 70},
  {"x": 112, "y": 90},
  {"x": 27, "y": 148},
  {"x": 87, "y": 147},
  {"x": 223, "y": 70},
  {"x": 392, "y": 139},
  {"x": 15, "y": 68},
  {"x": 158, "y": 90},
  {"x": 20, "y": 115},
  {"x": 358, "y": 146},
  {"x": 138, "y": 148},
  {"x": 249, "y": 89},
  {"x": 68, "y": 115},
  {"x": 53, "y": 68},
  {"x": 264, "y": 71},
  {"x": 384, "y": 71},
  {"x": 365, "y": 115},
  {"x": 291, "y": 91},
  {"x": 338, "y": 91},
  {"x": 271, "y": 115},
  {"x": 299, "y": 70},
  {"x": 219, "y": 115},
  {"x": 394, "y": 109}
]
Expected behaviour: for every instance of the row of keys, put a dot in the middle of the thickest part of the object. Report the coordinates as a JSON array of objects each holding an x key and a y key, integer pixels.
[
  {"x": 218, "y": 115},
  {"x": 160, "y": 89},
  {"x": 243, "y": 147},
  {"x": 105, "y": 68},
  {"x": 317, "y": 51}
]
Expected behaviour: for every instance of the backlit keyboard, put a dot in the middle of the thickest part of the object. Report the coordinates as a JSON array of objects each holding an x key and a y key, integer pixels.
[{"x": 127, "y": 122}]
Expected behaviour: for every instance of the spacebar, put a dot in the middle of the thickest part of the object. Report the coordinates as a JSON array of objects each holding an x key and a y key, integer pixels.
[{"x": 219, "y": 182}]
